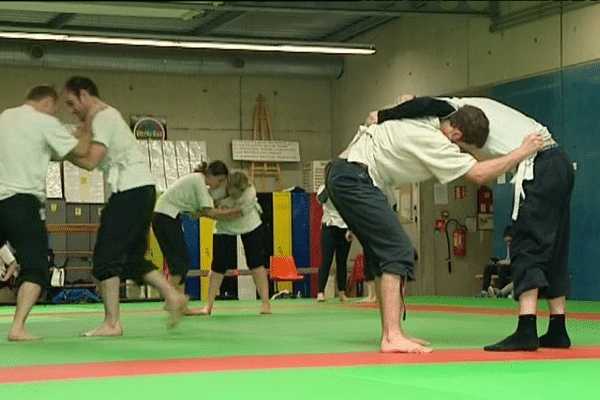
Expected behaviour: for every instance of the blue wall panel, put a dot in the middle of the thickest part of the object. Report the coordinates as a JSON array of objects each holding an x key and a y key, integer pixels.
[
  {"x": 301, "y": 238},
  {"x": 581, "y": 99},
  {"x": 191, "y": 234}
]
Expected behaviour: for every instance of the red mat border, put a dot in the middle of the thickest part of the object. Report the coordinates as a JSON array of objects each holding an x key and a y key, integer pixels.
[
  {"x": 479, "y": 311},
  {"x": 40, "y": 373}
]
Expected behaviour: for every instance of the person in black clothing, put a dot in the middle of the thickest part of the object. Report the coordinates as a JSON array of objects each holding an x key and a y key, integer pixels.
[{"x": 498, "y": 267}]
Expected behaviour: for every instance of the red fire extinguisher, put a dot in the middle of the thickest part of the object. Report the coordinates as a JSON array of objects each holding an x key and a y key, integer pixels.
[
  {"x": 459, "y": 238},
  {"x": 459, "y": 242}
]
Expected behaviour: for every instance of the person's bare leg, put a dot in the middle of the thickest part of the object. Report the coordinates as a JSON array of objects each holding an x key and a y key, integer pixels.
[
  {"x": 175, "y": 280},
  {"x": 393, "y": 339},
  {"x": 402, "y": 310},
  {"x": 525, "y": 338},
  {"x": 175, "y": 302},
  {"x": 528, "y": 302},
  {"x": 261, "y": 281},
  {"x": 371, "y": 296},
  {"x": 215, "y": 280},
  {"x": 26, "y": 298},
  {"x": 557, "y": 336},
  {"x": 109, "y": 290}
]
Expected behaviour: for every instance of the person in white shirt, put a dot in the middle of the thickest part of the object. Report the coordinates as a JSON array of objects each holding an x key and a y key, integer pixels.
[
  {"x": 122, "y": 238},
  {"x": 540, "y": 248},
  {"x": 189, "y": 195},
  {"x": 250, "y": 228},
  {"x": 335, "y": 239},
  {"x": 385, "y": 156},
  {"x": 29, "y": 137}
]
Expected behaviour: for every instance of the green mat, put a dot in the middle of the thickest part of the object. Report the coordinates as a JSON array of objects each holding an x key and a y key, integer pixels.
[{"x": 297, "y": 326}]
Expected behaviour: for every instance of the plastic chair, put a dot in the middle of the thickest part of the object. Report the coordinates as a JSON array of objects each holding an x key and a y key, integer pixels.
[
  {"x": 283, "y": 268},
  {"x": 358, "y": 273}
]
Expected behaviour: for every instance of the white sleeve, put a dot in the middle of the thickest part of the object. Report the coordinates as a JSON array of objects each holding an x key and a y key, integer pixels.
[
  {"x": 58, "y": 138},
  {"x": 6, "y": 255}
]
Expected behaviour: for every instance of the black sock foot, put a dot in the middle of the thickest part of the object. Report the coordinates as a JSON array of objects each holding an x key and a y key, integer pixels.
[
  {"x": 524, "y": 339},
  {"x": 557, "y": 336},
  {"x": 555, "y": 341},
  {"x": 516, "y": 342}
]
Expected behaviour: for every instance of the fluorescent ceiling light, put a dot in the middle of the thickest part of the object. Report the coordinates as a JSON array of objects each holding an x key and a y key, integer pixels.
[{"x": 207, "y": 45}]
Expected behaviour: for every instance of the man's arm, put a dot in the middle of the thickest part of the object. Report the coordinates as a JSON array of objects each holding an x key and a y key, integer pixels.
[
  {"x": 88, "y": 154},
  {"x": 485, "y": 171},
  {"x": 90, "y": 161},
  {"x": 419, "y": 107}
]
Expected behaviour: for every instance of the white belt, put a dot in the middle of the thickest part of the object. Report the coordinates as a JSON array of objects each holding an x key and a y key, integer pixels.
[{"x": 525, "y": 172}]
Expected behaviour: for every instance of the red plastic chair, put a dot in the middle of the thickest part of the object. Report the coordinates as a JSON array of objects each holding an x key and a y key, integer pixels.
[
  {"x": 358, "y": 273},
  {"x": 283, "y": 268}
]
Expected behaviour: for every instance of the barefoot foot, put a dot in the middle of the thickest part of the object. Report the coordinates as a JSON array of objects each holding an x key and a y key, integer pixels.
[
  {"x": 196, "y": 311},
  {"x": 266, "y": 309},
  {"x": 402, "y": 344},
  {"x": 21, "y": 336},
  {"x": 176, "y": 306},
  {"x": 104, "y": 330}
]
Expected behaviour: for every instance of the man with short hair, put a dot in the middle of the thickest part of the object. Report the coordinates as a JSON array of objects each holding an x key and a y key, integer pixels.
[
  {"x": 543, "y": 185},
  {"x": 122, "y": 239},
  {"x": 29, "y": 136},
  {"x": 379, "y": 159}
]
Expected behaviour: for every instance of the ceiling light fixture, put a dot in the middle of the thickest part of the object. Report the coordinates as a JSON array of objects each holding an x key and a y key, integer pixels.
[{"x": 205, "y": 45}]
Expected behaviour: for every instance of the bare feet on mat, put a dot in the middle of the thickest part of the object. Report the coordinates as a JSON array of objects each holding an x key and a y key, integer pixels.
[
  {"x": 418, "y": 341},
  {"x": 201, "y": 311},
  {"x": 320, "y": 297},
  {"x": 194, "y": 311},
  {"x": 343, "y": 298},
  {"x": 176, "y": 306},
  {"x": 21, "y": 335},
  {"x": 104, "y": 330},
  {"x": 402, "y": 344},
  {"x": 368, "y": 300},
  {"x": 266, "y": 309}
]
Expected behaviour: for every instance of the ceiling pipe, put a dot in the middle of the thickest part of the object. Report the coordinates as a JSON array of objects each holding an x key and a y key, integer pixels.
[{"x": 124, "y": 58}]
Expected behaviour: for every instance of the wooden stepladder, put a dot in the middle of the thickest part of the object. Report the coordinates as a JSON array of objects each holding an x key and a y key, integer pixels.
[{"x": 261, "y": 128}]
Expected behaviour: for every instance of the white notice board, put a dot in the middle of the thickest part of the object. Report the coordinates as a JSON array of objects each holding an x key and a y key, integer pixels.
[{"x": 265, "y": 150}]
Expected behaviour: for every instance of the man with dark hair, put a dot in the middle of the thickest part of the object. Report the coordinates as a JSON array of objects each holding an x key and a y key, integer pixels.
[
  {"x": 122, "y": 239},
  {"x": 29, "y": 135},
  {"x": 361, "y": 185},
  {"x": 76, "y": 84},
  {"x": 540, "y": 246}
]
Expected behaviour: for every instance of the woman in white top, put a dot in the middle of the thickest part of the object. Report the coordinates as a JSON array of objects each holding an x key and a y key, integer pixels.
[
  {"x": 335, "y": 238},
  {"x": 189, "y": 195},
  {"x": 249, "y": 226}
]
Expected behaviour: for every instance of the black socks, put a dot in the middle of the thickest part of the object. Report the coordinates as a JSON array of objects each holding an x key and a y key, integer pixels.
[
  {"x": 557, "y": 336},
  {"x": 524, "y": 339}
]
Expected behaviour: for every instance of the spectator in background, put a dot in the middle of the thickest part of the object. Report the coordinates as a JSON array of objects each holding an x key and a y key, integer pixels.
[
  {"x": 335, "y": 239},
  {"x": 500, "y": 268}
]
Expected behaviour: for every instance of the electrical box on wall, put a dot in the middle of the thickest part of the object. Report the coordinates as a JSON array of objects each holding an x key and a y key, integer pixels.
[{"x": 485, "y": 222}]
